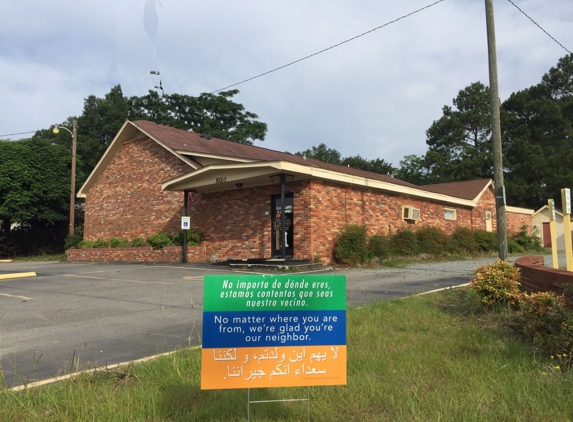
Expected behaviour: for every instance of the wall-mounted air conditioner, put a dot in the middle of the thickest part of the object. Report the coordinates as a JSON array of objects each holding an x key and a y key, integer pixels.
[{"x": 410, "y": 213}]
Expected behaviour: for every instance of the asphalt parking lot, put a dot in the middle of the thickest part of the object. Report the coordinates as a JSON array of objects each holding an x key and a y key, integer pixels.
[{"x": 74, "y": 316}]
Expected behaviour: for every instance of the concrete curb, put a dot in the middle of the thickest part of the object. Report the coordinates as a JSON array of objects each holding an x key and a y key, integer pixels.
[
  {"x": 440, "y": 290},
  {"x": 17, "y": 275},
  {"x": 91, "y": 371}
]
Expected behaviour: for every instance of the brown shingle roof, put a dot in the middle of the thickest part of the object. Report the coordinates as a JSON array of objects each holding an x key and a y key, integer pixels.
[
  {"x": 182, "y": 140},
  {"x": 359, "y": 173},
  {"x": 469, "y": 189}
]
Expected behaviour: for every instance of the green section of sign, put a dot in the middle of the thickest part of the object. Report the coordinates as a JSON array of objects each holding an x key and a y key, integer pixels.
[{"x": 274, "y": 292}]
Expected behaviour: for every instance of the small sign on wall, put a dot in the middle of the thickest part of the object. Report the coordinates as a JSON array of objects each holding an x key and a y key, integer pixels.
[{"x": 185, "y": 223}]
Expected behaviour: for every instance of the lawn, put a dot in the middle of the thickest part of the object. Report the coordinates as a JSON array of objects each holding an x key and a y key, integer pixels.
[{"x": 426, "y": 358}]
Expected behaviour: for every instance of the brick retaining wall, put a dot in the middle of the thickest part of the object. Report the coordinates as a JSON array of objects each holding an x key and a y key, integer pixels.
[
  {"x": 536, "y": 277},
  {"x": 170, "y": 254}
]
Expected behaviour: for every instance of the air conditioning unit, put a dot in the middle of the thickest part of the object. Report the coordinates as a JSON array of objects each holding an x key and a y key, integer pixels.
[{"x": 411, "y": 213}]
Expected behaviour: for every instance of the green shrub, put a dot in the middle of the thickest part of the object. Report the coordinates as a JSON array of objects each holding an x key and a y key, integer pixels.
[
  {"x": 486, "y": 241},
  {"x": 86, "y": 244},
  {"x": 404, "y": 243},
  {"x": 193, "y": 238},
  {"x": 545, "y": 321},
  {"x": 73, "y": 241},
  {"x": 101, "y": 243},
  {"x": 497, "y": 284},
  {"x": 118, "y": 242},
  {"x": 513, "y": 246},
  {"x": 159, "y": 240},
  {"x": 529, "y": 242},
  {"x": 431, "y": 240},
  {"x": 462, "y": 241},
  {"x": 350, "y": 248},
  {"x": 378, "y": 247},
  {"x": 138, "y": 242}
]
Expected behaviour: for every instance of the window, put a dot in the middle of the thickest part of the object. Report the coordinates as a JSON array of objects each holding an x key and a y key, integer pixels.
[
  {"x": 410, "y": 213},
  {"x": 449, "y": 214}
]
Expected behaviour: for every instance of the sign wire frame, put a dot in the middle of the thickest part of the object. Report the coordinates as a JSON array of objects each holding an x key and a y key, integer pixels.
[{"x": 249, "y": 402}]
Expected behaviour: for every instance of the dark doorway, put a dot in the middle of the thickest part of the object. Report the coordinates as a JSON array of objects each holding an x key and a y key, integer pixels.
[{"x": 276, "y": 233}]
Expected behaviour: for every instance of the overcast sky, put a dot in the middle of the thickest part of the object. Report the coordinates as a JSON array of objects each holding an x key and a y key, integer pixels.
[{"x": 375, "y": 96}]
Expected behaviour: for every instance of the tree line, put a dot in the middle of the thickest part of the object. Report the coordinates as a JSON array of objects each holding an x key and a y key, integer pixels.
[{"x": 537, "y": 140}]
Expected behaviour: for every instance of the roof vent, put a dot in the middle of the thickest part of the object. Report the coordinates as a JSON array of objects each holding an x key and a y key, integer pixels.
[
  {"x": 206, "y": 136},
  {"x": 185, "y": 146}
]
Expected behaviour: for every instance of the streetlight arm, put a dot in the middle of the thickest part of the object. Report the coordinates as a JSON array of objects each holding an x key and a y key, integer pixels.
[{"x": 58, "y": 127}]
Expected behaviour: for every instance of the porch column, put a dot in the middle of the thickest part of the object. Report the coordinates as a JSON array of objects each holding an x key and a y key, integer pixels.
[
  {"x": 184, "y": 248},
  {"x": 283, "y": 212}
]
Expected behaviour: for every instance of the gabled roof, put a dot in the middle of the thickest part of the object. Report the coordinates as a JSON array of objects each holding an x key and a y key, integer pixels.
[
  {"x": 183, "y": 141},
  {"x": 470, "y": 189},
  {"x": 558, "y": 210}
]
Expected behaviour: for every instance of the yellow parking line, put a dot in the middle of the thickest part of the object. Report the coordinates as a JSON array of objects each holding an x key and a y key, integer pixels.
[
  {"x": 117, "y": 279},
  {"x": 19, "y": 297},
  {"x": 16, "y": 275}
]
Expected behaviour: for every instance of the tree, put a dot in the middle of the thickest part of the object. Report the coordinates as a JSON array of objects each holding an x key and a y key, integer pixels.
[
  {"x": 322, "y": 153},
  {"x": 332, "y": 156},
  {"x": 538, "y": 138},
  {"x": 459, "y": 145},
  {"x": 100, "y": 121},
  {"x": 34, "y": 182},
  {"x": 377, "y": 165},
  {"x": 413, "y": 169},
  {"x": 216, "y": 114}
]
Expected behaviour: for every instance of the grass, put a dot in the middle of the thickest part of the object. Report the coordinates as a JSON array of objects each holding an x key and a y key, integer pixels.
[
  {"x": 426, "y": 358},
  {"x": 41, "y": 258}
]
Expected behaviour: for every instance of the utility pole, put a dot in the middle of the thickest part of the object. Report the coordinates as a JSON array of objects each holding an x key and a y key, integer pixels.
[
  {"x": 73, "y": 184},
  {"x": 74, "y": 133},
  {"x": 496, "y": 135}
]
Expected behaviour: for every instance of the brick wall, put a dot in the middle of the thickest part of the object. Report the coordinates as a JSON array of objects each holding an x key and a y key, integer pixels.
[
  {"x": 170, "y": 254},
  {"x": 333, "y": 206},
  {"x": 515, "y": 221},
  {"x": 127, "y": 201},
  {"x": 535, "y": 277}
]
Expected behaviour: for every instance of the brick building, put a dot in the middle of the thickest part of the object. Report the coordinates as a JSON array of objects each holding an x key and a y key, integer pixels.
[{"x": 235, "y": 194}]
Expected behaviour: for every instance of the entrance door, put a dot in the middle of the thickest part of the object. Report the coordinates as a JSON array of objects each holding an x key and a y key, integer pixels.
[
  {"x": 546, "y": 235},
  {"x": 276, "y": 237}
]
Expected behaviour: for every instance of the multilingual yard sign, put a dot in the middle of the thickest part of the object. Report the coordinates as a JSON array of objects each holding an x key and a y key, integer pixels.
[{"x": 273, "y": 331}]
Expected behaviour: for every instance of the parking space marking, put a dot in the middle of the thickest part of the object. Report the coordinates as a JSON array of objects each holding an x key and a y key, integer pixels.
[
  {"x": 16, "y": 296},
  {"x": 116, "y": 279},
  {"x": 193, "y": 277}
]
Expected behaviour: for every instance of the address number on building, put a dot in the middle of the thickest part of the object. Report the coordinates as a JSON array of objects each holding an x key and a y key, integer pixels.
[{"x": 220, "y": 179}]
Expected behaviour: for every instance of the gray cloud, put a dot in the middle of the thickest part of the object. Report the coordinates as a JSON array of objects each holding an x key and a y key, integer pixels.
[{"x": 374, "y": 96}]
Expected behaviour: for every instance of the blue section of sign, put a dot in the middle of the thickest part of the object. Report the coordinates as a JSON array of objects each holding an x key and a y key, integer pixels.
[{"x": 274, "y": 328}]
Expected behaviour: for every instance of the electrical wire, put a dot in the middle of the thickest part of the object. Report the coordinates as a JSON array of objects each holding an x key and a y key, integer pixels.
[
  {"x": 539, "y": 26},
  {"x": 21, "y": 133},
  {"x": 331, "y": 47}
]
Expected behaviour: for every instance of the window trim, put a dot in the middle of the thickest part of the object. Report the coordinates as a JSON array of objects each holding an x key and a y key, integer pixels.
[{"x": 455, "y": 216}]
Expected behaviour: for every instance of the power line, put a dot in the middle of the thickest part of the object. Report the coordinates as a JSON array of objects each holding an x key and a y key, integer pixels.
[
  {"x": 331, "y": 47},
  {"x": 21, "y": 133},
  {"x": 539, "y": 26}
]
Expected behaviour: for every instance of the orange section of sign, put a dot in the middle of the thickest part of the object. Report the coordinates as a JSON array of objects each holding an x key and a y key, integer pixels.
[{"x": 263, "y": 367}]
